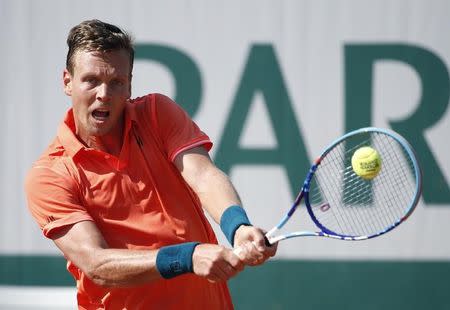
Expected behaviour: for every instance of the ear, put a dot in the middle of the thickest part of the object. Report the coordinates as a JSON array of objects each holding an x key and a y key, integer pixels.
[{"x": 67, "y": 80}]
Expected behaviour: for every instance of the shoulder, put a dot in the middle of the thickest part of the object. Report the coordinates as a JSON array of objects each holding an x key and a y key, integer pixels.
[
  {"x": 152, "y": 100},
  {"x": 53, "y": 167},
  {"x": 157, "y": 110}
]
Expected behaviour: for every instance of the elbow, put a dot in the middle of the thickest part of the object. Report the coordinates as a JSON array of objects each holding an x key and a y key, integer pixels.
[
  {"x": 98, "y": 273},
  {"x": 95, "y": 275},
  {"x": 99, "y": 281}
]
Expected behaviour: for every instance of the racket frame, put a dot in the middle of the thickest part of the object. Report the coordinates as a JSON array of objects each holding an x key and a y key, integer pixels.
[{"x": 304, "y": 193}]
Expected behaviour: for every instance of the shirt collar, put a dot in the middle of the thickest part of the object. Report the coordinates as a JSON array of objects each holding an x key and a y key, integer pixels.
[{"x": 69, "y": 140}]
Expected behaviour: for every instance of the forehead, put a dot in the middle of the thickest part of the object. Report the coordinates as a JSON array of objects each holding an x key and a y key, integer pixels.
[{"x": 110, "y": 62}]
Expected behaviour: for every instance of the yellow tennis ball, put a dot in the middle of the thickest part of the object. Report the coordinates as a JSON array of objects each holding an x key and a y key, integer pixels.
[{"x": 366, "y": 162}]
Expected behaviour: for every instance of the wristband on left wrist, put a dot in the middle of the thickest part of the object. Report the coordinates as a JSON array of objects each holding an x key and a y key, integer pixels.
[{"x": 174, "y": 260}]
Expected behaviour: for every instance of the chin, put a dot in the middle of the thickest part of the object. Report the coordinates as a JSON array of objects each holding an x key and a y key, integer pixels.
[{"x": 99, "y": 132}]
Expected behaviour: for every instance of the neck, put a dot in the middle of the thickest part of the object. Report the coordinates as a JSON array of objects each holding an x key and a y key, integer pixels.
[
  {"x": 110, "y": 143},
  {"x": 113, "y": 143}
]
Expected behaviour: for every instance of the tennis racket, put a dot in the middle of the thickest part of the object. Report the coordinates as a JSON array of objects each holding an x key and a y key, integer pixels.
[{"x": 345, "y": 206}]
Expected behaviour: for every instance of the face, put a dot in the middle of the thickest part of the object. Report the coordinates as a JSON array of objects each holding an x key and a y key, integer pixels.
[{"x": 99, "y": 86}]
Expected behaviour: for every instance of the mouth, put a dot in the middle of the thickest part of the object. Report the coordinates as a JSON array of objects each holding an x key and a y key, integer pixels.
[{"x": 100, "y": 115}]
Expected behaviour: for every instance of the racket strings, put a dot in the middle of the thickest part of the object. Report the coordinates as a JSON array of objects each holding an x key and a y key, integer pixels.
[
  {"x": 359, "y": 207},
  {"x": 390, "y": 213},
  {"x": 345, "y": 223},
  {"x": 399, "y": 180}
]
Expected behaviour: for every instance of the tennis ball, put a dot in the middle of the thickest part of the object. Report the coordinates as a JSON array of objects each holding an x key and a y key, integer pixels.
[{"x": 366, "y": 162}]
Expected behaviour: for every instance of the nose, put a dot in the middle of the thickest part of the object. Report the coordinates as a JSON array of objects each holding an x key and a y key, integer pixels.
[{"x": 103, "y": 93}]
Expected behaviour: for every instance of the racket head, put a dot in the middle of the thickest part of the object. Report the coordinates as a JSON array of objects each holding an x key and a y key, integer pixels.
[{"x": 346, "y": 206}]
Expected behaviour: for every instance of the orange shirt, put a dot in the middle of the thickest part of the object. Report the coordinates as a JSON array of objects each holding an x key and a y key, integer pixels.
[{"x": 138, "y": 201}]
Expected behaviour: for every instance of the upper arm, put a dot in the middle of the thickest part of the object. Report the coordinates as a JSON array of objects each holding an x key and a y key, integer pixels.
[{"x": 194, "y": 165}]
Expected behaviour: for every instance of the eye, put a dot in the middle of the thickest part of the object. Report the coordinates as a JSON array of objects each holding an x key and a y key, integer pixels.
[
  {"x": 117, "y": 83},
  {"x": 91, "y": 81}
]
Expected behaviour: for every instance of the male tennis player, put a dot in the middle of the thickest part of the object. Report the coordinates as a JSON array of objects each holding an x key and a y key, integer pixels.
[{"x": 121, "y": 190}]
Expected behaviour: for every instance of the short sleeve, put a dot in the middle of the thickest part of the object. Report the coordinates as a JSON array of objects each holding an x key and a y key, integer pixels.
[
  {"x": 177, "y": 130},
  {"x": 53, "y": 200}
]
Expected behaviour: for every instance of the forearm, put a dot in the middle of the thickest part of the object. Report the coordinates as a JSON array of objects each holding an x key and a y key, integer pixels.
[
  {"x": 219, "y": 197},
  {"x": 84, "y": 245},
  {"x": 121, "y": 267},
  {"x": 214, "y": 189},
  {"x": 216, "y": 193}
]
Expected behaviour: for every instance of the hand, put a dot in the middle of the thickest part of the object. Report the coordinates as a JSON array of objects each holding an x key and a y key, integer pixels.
[
  {"x": 253, "y": 250},
  {"x": 215, "y": 262}
]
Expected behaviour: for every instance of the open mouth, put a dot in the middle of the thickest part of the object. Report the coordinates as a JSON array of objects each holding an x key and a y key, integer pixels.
[{"x": 100, "y": 115}]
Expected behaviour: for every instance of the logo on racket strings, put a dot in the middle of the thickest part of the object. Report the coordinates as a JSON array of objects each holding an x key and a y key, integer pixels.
[{"x": 325, "y": 207}]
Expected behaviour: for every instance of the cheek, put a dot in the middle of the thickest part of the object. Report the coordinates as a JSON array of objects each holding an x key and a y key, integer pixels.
[
  {"x": 120, "y": 99},
  {"x": 81, "y": 102},
  {"x": 119, "y": 106},
  {"x": 80, "y": 107},
  {"x": 83, "y": 96},
  {"x": 123, "y": 92}
]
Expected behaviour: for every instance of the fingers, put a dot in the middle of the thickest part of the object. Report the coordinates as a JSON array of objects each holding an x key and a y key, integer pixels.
[
  {"x": 265, "y": 247},
  {"x": 253, "y": 248},
  {"x": 250, "y": 254},
  {"x": 260, "y": 242},
  {"x": 268, "y": 250},
  {"x": 215, "y": 262},
  {"x": 222, "y": 272}
]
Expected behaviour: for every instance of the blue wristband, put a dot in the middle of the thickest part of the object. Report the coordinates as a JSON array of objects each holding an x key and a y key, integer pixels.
[
  {"x": 174, "y": 260},
  {"x": 231, "y": 219}
]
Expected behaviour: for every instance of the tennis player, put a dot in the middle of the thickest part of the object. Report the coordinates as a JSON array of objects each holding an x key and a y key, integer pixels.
[{"x": 122, "y": 188}]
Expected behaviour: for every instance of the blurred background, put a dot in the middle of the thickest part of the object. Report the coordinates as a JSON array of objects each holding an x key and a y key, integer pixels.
[{"x": 272, "y": 83}]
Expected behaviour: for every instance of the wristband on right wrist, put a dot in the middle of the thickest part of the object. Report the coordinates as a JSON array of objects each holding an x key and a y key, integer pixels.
[{"x": 231, "y": 219}]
